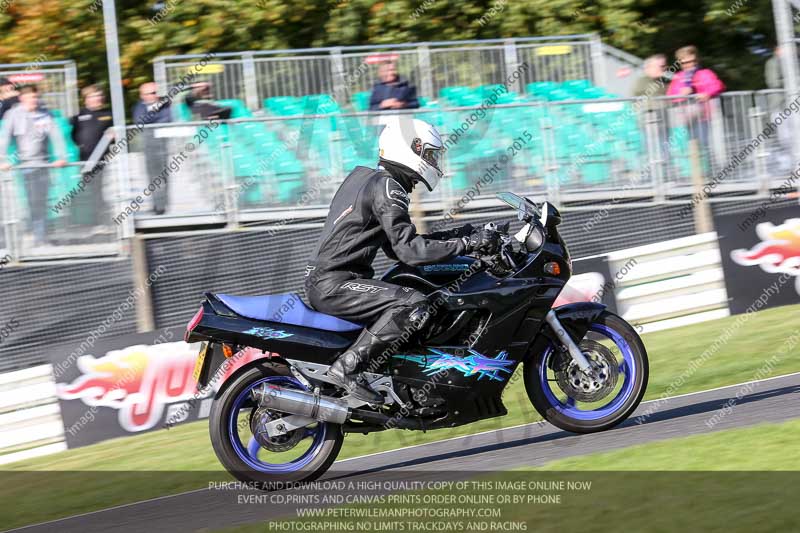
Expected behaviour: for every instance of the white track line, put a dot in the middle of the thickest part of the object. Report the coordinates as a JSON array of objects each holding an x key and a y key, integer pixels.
[{"x": 121, "y": 506}]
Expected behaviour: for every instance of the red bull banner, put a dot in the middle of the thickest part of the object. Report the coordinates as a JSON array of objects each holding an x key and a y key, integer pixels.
[
  {"x": 134, "y": 383},
  {"x": 761, "y": 261}
]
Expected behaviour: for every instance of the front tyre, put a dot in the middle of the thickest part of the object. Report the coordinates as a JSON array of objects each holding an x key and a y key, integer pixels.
[
  {"x": 301, "y": 455},
  {"x": 570, "y": 400}
]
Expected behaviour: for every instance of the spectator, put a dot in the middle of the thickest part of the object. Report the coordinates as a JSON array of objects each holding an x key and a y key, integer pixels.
[
  {"x": 31, "y": 126},
  {"x": 652, "y": 82},
  {"x": 88, "y": 128},
  {"x": 202, "y": 105},
  {"x": 151, "y": 109},
  {"x": 392, "y": 91},
  {"x": 9, "y": 96},
  {"x": 154, "y": 110},
  {"x": 773, "y": 73},
  {"x": 692, "y": 79},
  {"x": 772, "y": 70}
]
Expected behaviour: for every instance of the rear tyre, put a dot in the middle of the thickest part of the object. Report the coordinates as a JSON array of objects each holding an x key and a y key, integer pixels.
[
  {"x": 568, "y": 400},
  {"x": 295, "y": 458}
]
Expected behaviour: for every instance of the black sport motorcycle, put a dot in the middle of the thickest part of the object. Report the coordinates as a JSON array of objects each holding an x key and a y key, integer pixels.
[{"x": 279, "y": 418}]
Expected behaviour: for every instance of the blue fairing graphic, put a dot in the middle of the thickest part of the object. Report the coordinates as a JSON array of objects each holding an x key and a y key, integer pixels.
[
  {"x": 268, "y": 333},
  {"x": 473, "y": 364}
]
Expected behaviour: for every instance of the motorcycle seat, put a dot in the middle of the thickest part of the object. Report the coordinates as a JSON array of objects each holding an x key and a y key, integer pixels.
[{"x": 286, "y": 308}]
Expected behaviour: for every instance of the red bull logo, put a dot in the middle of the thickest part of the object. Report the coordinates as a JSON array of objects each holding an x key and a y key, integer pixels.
[
  {"x": 779, "y": 251},
  {"x": 138, "y": 381},
  {"x": 141, "y": 381}
]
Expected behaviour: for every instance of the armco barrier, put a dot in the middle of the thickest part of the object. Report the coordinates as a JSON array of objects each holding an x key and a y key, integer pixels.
[
  {"x": 30, "y": 418},
  {"x": 673, "y": 283}
]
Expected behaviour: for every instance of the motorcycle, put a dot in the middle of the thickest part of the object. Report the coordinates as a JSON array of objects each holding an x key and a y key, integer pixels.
[{"x": 279, "y": 418}]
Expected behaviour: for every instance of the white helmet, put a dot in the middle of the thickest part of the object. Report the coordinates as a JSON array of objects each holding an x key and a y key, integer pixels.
[{"x": 414, "y": 144}]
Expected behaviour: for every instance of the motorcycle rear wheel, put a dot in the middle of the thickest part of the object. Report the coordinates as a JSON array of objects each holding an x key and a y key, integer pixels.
[{"x": 250, "y": 461}]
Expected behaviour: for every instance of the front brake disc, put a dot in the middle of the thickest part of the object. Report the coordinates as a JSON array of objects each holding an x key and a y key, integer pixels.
[{"x": 577, "y": 385}]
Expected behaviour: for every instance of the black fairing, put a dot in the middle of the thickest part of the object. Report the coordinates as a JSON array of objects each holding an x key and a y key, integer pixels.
[{"x": 504, "y": 314}]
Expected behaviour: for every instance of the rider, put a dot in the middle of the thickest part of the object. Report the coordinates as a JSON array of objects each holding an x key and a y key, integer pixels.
[{"x": 368, "y": 212}]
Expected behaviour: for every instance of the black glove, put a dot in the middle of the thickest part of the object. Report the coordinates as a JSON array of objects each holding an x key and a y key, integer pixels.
[
  {"x": 465, "y": 231},
  {"x": 483, "y": 241}
]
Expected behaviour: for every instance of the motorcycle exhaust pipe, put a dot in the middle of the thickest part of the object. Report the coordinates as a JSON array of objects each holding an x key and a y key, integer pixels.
[{"x": 303, "y": 403}]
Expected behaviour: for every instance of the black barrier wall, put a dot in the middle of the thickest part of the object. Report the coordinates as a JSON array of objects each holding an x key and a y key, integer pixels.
[{"x": 49, "y": 304}]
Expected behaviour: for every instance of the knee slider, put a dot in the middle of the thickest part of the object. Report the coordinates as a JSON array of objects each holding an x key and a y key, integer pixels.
[{"x": 419, "y": 315}]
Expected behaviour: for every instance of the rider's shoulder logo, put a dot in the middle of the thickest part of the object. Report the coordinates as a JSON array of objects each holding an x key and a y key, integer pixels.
[{"x": 396, "y": 193}]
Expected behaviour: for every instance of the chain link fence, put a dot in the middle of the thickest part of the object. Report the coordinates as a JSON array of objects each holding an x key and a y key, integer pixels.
[{"x": 48, "y": 305}]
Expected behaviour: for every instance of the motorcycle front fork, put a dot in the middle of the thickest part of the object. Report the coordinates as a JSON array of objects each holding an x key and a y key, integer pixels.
[{"x": 573, "y": 349}]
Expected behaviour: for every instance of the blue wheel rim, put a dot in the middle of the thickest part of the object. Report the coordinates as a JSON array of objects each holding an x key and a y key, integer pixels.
[
  {"x": 628, "y": 367},
  {"x": 249, "y": 453}
]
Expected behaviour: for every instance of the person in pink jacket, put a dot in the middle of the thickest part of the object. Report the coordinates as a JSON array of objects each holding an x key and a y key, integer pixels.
[{"x": 693, "y": 79}]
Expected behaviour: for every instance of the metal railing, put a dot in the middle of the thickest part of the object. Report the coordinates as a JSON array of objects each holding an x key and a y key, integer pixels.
[
  {"x": 254, "y": 76},
  {"x": 47, "y": 213},
  {"x": 596, "y": 150},
  {"x": 271, "y": 167},
  {"x": 57, "y": 82}
]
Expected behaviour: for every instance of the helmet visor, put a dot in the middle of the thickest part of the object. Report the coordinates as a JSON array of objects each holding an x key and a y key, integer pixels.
[{"x": 431, "y": 154}]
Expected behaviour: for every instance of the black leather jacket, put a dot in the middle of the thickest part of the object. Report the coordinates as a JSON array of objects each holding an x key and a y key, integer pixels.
[{"x": 368, "y": 212}]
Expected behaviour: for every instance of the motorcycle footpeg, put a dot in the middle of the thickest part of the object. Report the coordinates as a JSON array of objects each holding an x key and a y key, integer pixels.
[{"x": 354, "y": 388}]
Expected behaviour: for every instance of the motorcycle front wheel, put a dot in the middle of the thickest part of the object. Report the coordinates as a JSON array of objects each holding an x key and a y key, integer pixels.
[
  {"x": 249, "y": 454},
  {"x": 572, "y": 401}
]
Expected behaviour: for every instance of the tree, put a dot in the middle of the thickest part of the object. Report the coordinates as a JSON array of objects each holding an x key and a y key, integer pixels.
[{"x": 733, "y": 37}]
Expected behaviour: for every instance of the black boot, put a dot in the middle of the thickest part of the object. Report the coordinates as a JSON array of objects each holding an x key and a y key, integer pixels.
[{"x": 345, "y": 373}]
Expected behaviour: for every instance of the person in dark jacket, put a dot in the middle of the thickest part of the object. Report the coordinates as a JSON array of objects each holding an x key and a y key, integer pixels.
[
  {"x": 9, "y": 96},
  {"x": 392, "y": 91},
  {"x": 370, "y": 212},
  {"x": 152, "y": 109},
  {"x": 202, "y": 105},
  {"x": 88, "y": 128}
]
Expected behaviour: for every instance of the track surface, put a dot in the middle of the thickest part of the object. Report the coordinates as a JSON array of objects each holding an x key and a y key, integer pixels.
[{"x": 771, "y": 400}]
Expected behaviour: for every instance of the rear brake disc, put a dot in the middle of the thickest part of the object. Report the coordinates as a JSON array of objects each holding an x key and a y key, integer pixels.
[{"x": 259, "y": 418}]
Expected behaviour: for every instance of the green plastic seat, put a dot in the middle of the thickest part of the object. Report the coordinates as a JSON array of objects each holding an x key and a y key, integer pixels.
[{"x": 361, "y": 100}]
